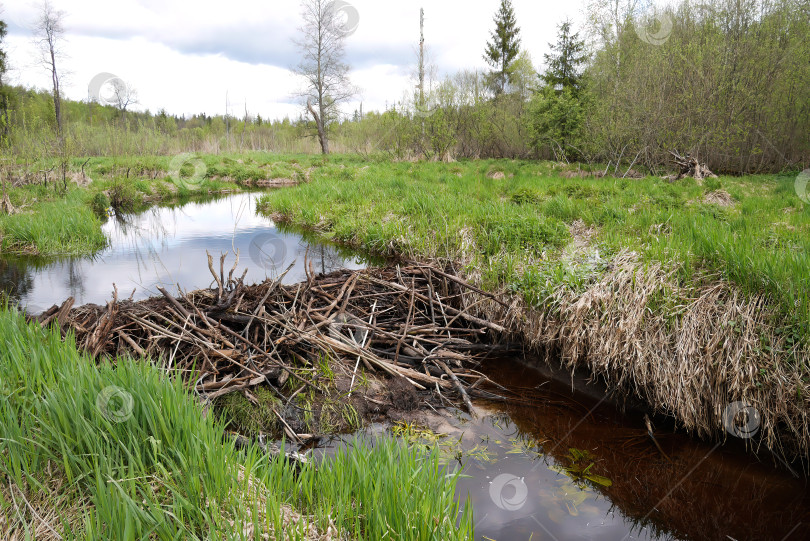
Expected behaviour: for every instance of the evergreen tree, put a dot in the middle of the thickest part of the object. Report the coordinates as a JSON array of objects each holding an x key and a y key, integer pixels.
[
  {"x": 564, "y": 63},
  {"x": 504, "y": 47},
  {"x": 557, "y": 111}
]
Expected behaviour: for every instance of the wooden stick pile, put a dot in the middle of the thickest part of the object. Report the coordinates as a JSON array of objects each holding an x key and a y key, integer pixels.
[
  {"x": 401, "y": 322},
  {"x": 689, "y": 166}
]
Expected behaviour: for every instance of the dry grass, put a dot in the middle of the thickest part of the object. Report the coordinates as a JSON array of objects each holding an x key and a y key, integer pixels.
[
  {"x": 41, "y": 512},
  {"x": 720, "y": 198},
  {"x": 687, "y": 351},
  {"x": 255, "y": 494}
]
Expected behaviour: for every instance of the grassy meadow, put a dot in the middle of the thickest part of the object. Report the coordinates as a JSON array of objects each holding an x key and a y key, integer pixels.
[{"x": 514, "y": 220}]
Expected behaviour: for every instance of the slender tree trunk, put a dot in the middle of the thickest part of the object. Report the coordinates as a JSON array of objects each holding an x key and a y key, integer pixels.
[
  {"x": 57, "y": 100},
  {"x": 319, "y": 125},
  {"x": 5, "y": 118}
]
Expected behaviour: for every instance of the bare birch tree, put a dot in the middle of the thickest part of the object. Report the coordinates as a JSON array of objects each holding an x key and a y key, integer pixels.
[
  {"x": 122, "y": 95},
  {"x": 49, "y": 32},
  {"x": 322, "y": 45}
]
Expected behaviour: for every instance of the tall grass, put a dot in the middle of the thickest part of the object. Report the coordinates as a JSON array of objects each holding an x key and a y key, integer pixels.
[
  {"x": 62, "y": 227},
  {"x": 123, "y": 452},
  {"x": 513, "y": 229}
]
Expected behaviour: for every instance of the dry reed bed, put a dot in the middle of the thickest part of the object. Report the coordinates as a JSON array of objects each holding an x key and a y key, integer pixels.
[
  {"x": 687, "y": 352},
  {"x": 401, "y": 323}
]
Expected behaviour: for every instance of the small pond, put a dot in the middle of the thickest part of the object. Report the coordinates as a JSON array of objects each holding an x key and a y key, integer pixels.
[{"x": 166, "y": 246}]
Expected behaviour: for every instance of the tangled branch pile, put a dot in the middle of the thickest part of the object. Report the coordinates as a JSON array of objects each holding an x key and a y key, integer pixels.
[
  {"x": 689, "y": 166},
  {"x": 403, "y": 323}
]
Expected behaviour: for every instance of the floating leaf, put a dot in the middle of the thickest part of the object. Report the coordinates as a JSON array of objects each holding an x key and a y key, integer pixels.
[{"x": 598, "y": 479}]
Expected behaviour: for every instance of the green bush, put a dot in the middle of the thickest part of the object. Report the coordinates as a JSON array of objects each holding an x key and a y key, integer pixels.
[
  {"x": 100, "y": 203},
  {"x": 123, "y": 196}
]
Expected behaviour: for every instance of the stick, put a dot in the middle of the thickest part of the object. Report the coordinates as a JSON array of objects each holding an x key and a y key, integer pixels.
[
  {"x": 462, "y": 392},
  {"x": 357, "y": 364}
]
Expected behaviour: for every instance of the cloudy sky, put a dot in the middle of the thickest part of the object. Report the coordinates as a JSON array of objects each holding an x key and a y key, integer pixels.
[{"x": 187, "y": 55}]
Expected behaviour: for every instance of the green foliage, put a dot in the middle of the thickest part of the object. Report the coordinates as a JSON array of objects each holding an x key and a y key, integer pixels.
[
  {"x": 725, "y": 81},
  {"x": 126, "y": 453},
  {"x": 504, "y": 46},
  {"x": 564, "y": 62},
  {"x": 123, "y": 195},
  {"x": 380, "y": 508},
  {"x": 556, "y": 122},
  {"x": 100, "y": 204}
]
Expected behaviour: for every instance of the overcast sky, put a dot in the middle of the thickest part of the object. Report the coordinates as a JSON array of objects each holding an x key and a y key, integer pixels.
[{"x": 185, "y": 55}]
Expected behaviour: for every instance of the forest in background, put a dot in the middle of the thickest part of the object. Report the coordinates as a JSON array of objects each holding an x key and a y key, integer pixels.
[{"x": 727, "y": 81}]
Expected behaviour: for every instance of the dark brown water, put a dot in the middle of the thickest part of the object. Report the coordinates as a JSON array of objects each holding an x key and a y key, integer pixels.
[
  {"x": 556, "y": 464},
  {"x": 701, "y": 491}
]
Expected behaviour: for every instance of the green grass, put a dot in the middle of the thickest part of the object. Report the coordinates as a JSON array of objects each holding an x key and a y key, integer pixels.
[
  {"x": 121, "y": 451},
  {"x": 514, "y": 229},
  {"x": 60, "y": 227},
  {"x": 55, "y": 220}
]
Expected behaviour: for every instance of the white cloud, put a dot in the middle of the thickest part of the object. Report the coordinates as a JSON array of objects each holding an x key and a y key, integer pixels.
[{"x": 185, "y": 55}]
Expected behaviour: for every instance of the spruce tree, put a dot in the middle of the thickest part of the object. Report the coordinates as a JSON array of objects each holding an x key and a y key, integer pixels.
[
  {"x": 564, "y": 63},
  {"x": 504, "y": 47}
]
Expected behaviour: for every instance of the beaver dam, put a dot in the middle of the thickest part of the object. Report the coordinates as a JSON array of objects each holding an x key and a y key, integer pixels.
[
  {"x": 342, "y": 351},
  {"x": 402, "y": 323}
]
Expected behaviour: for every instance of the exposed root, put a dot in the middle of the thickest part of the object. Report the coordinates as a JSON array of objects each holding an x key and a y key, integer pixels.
[{"x": 689, "y": 166}]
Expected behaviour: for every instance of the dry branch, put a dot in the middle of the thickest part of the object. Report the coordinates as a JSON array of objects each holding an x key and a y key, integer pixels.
[{"x": 397, "y": 321}]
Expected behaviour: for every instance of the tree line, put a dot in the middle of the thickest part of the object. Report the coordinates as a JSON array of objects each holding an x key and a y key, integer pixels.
[{"x": 725, "y": 80}]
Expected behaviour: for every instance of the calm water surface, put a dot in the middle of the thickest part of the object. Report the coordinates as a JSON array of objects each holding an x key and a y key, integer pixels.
[{"x": 165, "y": 246}]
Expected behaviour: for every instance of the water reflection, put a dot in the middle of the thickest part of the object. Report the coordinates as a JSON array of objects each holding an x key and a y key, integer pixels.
[
  {"x": 554, "y": 464},
  {"x": 699, "y": 490},
  {"x": 164, "y": 246}
]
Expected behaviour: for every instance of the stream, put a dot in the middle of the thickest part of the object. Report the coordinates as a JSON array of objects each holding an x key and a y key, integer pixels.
[
  {"x": 557, "y": 463},
  {"x": 166, "y": 246}
]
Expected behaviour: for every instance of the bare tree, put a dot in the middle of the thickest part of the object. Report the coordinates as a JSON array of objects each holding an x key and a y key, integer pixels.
[
  {"x": 122, "y": 94},
  {"x": 321, "y": 42},
  {"x": 49, "y": 32}
]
